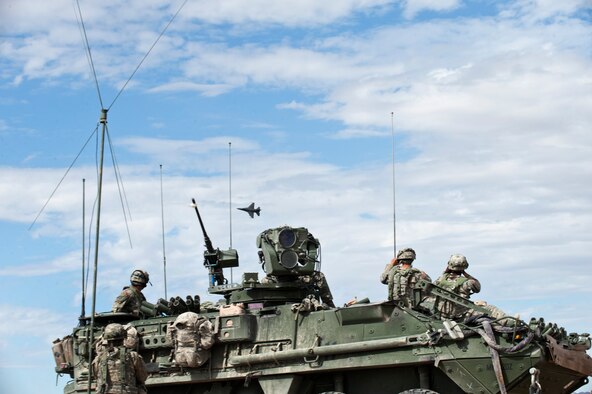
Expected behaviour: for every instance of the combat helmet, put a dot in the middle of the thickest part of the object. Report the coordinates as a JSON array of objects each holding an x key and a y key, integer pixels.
[
  {"x": 139, "y": 278},
  {"x": 406, "y": 254},
  {"x": 457, "y": 263},
  {"x": 114, "y": 332}
]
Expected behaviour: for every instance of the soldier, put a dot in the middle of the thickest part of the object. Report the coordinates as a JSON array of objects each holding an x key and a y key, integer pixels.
[
  {"x": 401, "y": 277},
  {"x": 131, "y": 297},
  {"x": 319, "y": 282},
  {"x": 457, "y": 280},
  {"x": 118, "y": 369}
]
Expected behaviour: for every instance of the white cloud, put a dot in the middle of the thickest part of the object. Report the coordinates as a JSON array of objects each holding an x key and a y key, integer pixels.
[
  {"x": 358, "y": 133},
  {"x": 205, "y": 89},
  {"x": 287, "y": 13},
  {"x": 533, "y": 11},
  {"x": 495, "y": 109},
  {"x": 413, "y": 7},
  {"x": 27, "y": 320}
]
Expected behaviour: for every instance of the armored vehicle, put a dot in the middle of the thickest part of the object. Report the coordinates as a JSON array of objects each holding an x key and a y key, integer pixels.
[{"x": 281, "y": 334}]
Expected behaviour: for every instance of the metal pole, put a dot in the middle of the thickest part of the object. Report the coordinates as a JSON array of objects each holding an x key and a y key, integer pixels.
[
  {"x": 83, "y": 312},
  {"x": 103, "y": 121},
  {"x": 394, "y": 210},
  {"x": 163, "y": 245},
  {"x": 230, "y": 197}
]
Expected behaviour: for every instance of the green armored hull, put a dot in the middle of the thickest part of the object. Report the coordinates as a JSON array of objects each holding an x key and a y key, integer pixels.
[
  {"x": 378, "y": 348},
  {"x": 275, "y": 336}
]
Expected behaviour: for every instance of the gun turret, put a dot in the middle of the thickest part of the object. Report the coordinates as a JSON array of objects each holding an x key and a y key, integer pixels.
[{"x": 215, "y": 259}]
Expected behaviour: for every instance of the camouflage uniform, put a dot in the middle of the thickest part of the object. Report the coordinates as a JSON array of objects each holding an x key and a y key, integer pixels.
[
  {"x": 401, "y": 277},
  {"x": 401, "y": 281},
  {"x": 319, "y": 282},
  {"x": 456, "y": 283},
  {"x": 118, "y": 370},
  {"x": 131, "y": 298},
  {"x": 456, "y": 280},
  {"x": 129, "y": 301}
]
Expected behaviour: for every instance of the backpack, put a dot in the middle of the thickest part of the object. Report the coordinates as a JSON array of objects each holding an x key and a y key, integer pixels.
[{"x": 192, "y": 336}]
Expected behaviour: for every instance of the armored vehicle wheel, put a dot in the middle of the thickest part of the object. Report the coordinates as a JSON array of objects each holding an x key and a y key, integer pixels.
[{"x": 418, "y": 391}]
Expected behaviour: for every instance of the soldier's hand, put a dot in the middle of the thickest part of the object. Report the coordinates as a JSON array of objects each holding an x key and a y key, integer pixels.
[{"x": 393, "y": 262}]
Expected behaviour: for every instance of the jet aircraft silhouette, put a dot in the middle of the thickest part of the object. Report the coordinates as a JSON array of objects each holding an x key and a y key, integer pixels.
[{"x": 251, "y": 210}]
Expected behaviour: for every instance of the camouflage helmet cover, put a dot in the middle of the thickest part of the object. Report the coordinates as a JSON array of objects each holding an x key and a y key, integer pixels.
[
  {"x": 406, "y": 254},
  {"x": 458, "y": 263},
  {"x": 139, "y": 278},
  {"x": 114, "y": 331}
]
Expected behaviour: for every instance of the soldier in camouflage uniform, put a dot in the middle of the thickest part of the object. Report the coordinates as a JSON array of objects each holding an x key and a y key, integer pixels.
[
  {"x": 131, "y": 297},
  {"x": 457, "y": 280},
  {"x": 401, "y": 277},
  {"x": 118, "y": 369},
  {"x": 319, "y": 283}
]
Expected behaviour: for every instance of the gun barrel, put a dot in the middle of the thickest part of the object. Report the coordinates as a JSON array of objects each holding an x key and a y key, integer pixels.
[
  {"x": 207, "y": 240},
  {"x": 148, "y": 309},
  {"x": 189, "y": 303},
  {"x": 162, "y": 307}
]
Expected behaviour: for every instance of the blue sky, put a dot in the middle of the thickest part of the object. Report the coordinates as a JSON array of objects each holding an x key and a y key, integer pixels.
[{"x": 493, "y": 148}]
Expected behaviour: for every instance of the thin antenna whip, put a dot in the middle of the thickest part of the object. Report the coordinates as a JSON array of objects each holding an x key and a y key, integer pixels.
[
  {"x": 82, "y": 312},
  {"x": 163, "y": 245},
  {"x": 230, "y": 197},
  {"x": 394, "y": 210},
  {"x": 89, "y": 54}
]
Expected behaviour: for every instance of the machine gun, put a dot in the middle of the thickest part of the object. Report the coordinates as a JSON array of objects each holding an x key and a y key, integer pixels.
[{"x": 215, "y": 259}]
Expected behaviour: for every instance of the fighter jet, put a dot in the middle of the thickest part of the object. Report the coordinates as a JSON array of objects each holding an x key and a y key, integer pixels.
[{"x": 251, "y": 210}]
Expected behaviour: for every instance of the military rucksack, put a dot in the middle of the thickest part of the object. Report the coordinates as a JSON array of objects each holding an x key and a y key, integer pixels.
[{"x": 192, "y": 336}]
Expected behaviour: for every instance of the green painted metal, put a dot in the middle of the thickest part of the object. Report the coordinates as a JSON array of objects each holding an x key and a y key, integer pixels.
[{"x": 264, "y": 344}]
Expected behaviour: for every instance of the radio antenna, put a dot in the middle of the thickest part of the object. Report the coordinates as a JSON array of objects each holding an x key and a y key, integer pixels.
[
  {"x": 394, "y": 210},
  {"x": 83, "y": 312},
  {"x": 230, "y": 197},
  {"x": 163, "y": 244}
]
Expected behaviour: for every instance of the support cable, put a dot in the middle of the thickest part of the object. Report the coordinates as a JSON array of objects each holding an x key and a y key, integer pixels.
[
  {"x": 63, "y": 177},
  {"x": 147, "y": 53},
  {"x": 89, "y": 54},
  {"x": 119, "y": 187}
]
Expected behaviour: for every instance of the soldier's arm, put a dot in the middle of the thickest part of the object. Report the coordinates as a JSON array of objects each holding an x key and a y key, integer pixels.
[
  {"x": 121, "y": 301},
  {"x": 425, "y": 276},
  {"x": 384, "y": 277},
  {"x": 324, "y": 290},
  {"x": 475, "y": 285}
]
